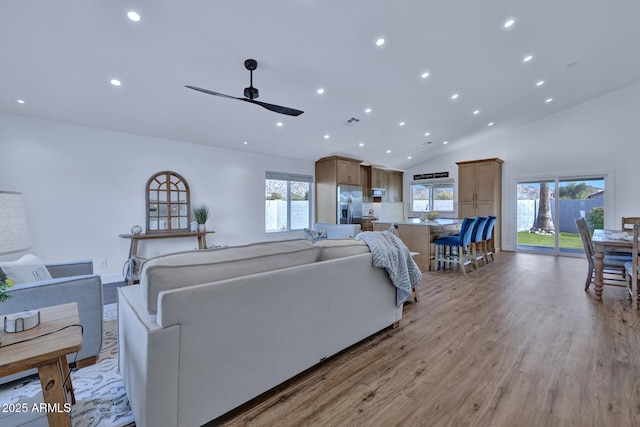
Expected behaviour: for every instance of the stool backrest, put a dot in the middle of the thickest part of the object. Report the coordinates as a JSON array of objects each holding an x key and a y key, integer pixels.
[
  {"x": 478, "y": 229},
  {"x": 488, "y": 228},
  {"x": 466, "y": 234}
]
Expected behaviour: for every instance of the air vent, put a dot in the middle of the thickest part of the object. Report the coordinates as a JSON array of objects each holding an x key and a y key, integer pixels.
[{"x": 352, "y": 121}]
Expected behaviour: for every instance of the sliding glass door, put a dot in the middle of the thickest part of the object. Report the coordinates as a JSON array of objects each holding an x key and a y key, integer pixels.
[{"x": 547, "y": 210}]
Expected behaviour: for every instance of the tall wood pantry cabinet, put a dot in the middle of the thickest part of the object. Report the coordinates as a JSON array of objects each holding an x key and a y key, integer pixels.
[
  {"x": 331, "y": 172},
  {"x": 480, "y": 192}
]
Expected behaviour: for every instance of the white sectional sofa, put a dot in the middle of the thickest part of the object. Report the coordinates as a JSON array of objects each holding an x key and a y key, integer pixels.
[{"x": 206, "y": 331}]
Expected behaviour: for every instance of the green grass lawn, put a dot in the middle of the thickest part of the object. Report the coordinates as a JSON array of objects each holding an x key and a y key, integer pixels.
[{"x": 567, "y": 240}]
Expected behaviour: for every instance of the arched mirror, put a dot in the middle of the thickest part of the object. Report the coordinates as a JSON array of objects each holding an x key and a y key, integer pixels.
[{"x": 167, "y": 203}]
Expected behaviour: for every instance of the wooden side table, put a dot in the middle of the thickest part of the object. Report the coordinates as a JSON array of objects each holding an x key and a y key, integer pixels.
[
  {"x": 135, "y": 238},
  {"x": 46, "y": 349}
]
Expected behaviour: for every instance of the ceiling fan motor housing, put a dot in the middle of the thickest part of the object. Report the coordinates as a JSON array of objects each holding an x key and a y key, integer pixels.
[{"x": 251, "y": 92}]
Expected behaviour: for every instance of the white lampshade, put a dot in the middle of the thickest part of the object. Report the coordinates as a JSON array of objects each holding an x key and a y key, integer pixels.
[
  {"x": 392, "y": 212},
  {"x": 14, "y": 233}
]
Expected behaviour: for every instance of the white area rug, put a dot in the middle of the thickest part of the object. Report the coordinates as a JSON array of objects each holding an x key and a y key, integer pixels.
[{"x": 101, "y": 400}]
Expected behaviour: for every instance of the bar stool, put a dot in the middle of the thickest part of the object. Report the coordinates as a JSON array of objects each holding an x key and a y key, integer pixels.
[
  {"x": 477, "y": 240},
  {"x": 487, "y": 235},
  {"x": 461, "y": 242}
]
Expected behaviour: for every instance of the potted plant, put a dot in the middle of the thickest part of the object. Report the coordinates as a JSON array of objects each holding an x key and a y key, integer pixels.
[
  {"x": 5, "y": 285},
  {"x": 201, "y": 214}
]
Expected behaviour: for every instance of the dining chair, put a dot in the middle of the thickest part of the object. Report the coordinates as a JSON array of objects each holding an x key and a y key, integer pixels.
[
  {"x": 487, "y": 237},
  {"x": 456, "y": 249},
  {"x": 477, "y": 241},
  {"x": 632, "y": 268},
  {"x": 613, "y": 264},
  {"x": 629, "y": 222}
]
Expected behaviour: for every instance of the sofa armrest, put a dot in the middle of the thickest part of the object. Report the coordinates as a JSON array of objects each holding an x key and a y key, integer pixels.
[{"x": 70, "y": 268}]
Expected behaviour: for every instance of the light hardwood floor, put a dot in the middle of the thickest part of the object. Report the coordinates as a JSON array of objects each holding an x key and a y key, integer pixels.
[{"x": 516, "y": 343}]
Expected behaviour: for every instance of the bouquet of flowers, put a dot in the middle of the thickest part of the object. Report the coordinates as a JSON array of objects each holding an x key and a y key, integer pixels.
[{"x": 5, "y": 284}]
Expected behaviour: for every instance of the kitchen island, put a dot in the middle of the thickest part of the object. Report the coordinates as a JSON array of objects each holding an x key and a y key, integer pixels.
[{"x": 419, "y": 236}]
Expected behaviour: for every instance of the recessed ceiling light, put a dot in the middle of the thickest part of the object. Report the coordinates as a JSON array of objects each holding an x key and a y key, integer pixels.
[
  {"x": 361, "y": 144},
  {"x": 401, "y": 124},
  {"x": 368, "y": 110},
  {"x": 548, "y": 100},
  {"x": 455, "y": 96},
  {"x": 509, "y": 22},
  {"x": 279, "y": 124},
  {"x": 528, "y": 58},
  {"x": 20, "y": 101},
  {"x": 490, "y": 124},
  {"x": 245, "y": 143},
  {"x": 327, "y": 136},
  {"x": 425, "y": 75},
  {"x": 134, "y": 16},
  {"x": 408, "y": 157},
  {"x": 445, "y": 143},
  {"x": 380, "y": 42},
  {"x": 320, "y": 91},
  {"x": 427, "y": 133},
  {"x": 476, "y": 112},
  {"x": 540, "y": 83},
  {"x": 388, "y": 151},
  {"x": 116, "y": 82}
]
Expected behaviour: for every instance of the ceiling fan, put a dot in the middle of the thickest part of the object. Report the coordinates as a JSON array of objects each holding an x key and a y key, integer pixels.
[{"x": 251, "y": 93}]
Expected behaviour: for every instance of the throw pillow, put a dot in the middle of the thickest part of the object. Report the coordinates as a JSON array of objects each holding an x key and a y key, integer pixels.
[
  {"x": 313, "y": 235},
  {"x": 27, "y": 269}
]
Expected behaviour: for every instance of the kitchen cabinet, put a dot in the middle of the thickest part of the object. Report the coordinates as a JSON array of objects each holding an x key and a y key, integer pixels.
[
  {"x": 378, "y": 178},
  {"x": 330, "y": 173},
  {"x": 394, "y": 186},
  {"x": 348, "y": 171},
  {"x": 385, "y": 179},
  {"x": 480, "y": 192}
]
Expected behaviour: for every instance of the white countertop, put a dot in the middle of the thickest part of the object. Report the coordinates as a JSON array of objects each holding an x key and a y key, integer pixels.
[{"x": 434, "y": 223}]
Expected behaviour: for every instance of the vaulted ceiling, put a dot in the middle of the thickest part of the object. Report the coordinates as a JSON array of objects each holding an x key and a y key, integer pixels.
[{"x": 59, "y": 58}]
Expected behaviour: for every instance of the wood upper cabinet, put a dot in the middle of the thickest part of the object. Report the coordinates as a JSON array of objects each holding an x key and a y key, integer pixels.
[
  {"x": 348, "y": 171},
  {"x": 378, "y": 178},
  {"x": 331, "y": 172},
  {"x": 394, "y": 186},
  {"x": 480, "y": 192}
]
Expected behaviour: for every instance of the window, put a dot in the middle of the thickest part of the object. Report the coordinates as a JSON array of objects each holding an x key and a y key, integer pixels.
[
  {"x": 287, "y": 202},
  {"x": 432, "y": 195},
  {"x": 167, "y": 203}
]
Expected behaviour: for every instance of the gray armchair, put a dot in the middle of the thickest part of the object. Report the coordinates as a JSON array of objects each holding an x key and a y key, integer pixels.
[{"x": 72, "y": 282}]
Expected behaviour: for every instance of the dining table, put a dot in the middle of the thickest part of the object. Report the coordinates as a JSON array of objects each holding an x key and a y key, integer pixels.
[{"x": 605, "y": 241}]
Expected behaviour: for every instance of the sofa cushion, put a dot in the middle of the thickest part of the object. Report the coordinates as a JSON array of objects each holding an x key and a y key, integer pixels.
[
  {"x": 338, "y": 231},
  {"x": 196, "y": 267},
  {"x": 340, "y": 248},
  {"x": 27, "y": 269}
]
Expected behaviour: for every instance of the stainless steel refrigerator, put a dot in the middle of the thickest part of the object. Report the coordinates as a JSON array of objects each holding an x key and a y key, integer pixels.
[{"x": 349, "y": 204}]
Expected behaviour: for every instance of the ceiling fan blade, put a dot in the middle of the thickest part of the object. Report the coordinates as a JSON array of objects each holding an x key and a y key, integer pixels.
[
  {"x": 210, "y": 92},
  {"x": 277, "y": 108}
]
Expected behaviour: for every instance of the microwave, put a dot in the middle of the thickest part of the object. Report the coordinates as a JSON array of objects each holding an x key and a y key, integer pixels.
[{"x": 378, "y": 192}]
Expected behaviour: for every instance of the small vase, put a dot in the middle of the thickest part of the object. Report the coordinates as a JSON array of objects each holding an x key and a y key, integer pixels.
[{"x": 202, "y": 227}]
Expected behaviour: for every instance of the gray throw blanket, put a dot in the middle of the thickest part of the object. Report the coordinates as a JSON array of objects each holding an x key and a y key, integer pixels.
[{"x": 390, "y": 253}]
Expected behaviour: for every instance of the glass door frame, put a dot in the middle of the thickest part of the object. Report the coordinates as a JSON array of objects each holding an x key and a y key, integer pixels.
[{"x": 556, "y": 179}]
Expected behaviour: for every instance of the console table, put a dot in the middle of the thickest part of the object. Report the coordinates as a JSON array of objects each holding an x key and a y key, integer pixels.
[{"x": 135, "y": 238}]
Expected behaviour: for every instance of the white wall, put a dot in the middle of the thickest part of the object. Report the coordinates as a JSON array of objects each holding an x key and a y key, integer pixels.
[
  {"x": 83, "y": 187},
  {"x": 601, "y": 135}
]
